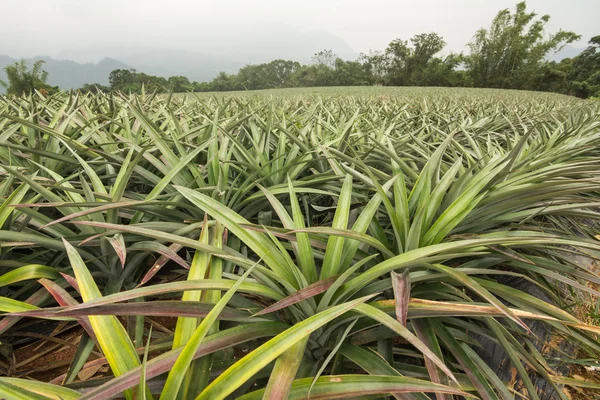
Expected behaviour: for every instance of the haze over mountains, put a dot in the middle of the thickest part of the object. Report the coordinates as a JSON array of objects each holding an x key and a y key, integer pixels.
[
  {"x": 70, "y": 69},
  {"x": 68, "y": 74}
]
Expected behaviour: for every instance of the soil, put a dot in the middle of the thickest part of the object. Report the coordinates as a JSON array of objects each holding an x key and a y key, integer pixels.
[
  {"x": 44, "y": 360},
  {"x": 586, "y": 312},
  {"x": 55, "y": 358}
]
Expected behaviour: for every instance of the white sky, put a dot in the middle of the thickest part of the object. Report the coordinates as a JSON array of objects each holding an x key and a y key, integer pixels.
[{"x": 46, "y": 27}]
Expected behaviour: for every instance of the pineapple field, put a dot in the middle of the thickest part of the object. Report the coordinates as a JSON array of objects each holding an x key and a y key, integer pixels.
[{"x": 322, "y": 243}]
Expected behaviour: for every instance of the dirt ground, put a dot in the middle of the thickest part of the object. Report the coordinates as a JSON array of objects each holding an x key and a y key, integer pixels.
[{"x": 46, "y": 357}]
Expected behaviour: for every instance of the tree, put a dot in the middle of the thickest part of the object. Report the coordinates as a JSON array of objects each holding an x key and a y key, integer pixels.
[
  {"x": 408, "y": 64},
  {"x": 275, "y": 74},
  {"x": 396, "y": 63},
  {"x": 22, "y": 81},
  {"x": 422, "y": 62},
  {"x": 121, "y": 77},
  {"x": 325, "y": 57},
  {"x": 584, "y": 76},
  {"x": 94, "y": 88},
  {"x": 375, "y": 64},
  {"x": 179, "y": 84},
  {"x": 351, "y": 73},
  {"x": 512, "y": 52},
  {"x": 223, "y": 82},
  {"x": 279, "y": 72},
  {"x": 441, "y": 72},
  {"x": 314, "y": 75},
  {"x": 131, "y": 81}
]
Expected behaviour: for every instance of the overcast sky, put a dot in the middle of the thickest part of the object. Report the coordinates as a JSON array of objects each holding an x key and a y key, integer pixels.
[{"x": 46, "y": 27}]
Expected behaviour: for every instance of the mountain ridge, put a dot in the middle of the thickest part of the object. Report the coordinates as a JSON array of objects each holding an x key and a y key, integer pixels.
[
  {"x": 68, "y": 74},
  {"x": 201, "y": 62}
]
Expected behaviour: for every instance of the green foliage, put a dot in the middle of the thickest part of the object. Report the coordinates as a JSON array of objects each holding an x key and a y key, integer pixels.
[
  {"x": 131, "y": 81},
  {"x": 179, "y": 84},
  {"x": 22, "y": 80},
  {"x": 94, "y": 88},
  {"x": 578, "y": 76},
  {"x": 222, "y": 82},
  {"x": 337, "y": 242},
  {"x": 415, "y": 64},
  {"x": 512, "y": 51},
  {"x": 276, "y": 74}
]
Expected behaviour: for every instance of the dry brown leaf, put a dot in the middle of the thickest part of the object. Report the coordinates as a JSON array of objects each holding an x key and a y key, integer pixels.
[{"x": 87, "y": 373}]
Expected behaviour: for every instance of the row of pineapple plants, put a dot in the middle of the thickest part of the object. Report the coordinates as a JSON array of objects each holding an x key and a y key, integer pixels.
[{"x": 310, "y": 246}]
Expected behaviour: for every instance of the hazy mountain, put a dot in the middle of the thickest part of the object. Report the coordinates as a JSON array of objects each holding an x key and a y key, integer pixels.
[
  {"x": 68, "y": 74},
  {"x": 201, "y": 61},
  {"x": 195, "y": 66},
  {"x": 162, "y": 62}
]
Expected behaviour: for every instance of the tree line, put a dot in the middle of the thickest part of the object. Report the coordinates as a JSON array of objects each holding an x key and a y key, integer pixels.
[{"x": 511, "y": 54}]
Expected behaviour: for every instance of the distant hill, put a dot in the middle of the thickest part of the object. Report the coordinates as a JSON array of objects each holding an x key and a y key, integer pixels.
[
  {"x": 201, "y": 61},
  {"x": 69, "y": 74},
  {"x": 198, "y": 67}
]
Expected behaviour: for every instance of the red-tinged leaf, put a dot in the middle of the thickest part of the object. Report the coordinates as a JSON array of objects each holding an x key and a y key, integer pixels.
[
  {"x": 61, "y": 296},
  {"x": 426, "y": 334},
  {"x": 89, "y": 239},
  {"x": 161, "y": 249},
  {"x": 302, "y": 294},
  {"x": 401, "y": 287},
  {"x": 162, "y": 260},
  {"x": 184, "y": 361},
  {"x": 48, "y": 312},
  {"x": 71, "y": 281},
  {"x": 172, "y": 287},
  {"x": 191, "y": 309},
  {"x": 103, "y": 361},
  {"x": 225, "y": 235},
  {"x": 118, "y": 244},
  {"x": 64, "y": 299}
]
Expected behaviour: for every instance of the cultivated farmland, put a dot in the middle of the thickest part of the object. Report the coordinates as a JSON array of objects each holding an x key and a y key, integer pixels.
[{"x": 332, "y": 243}]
